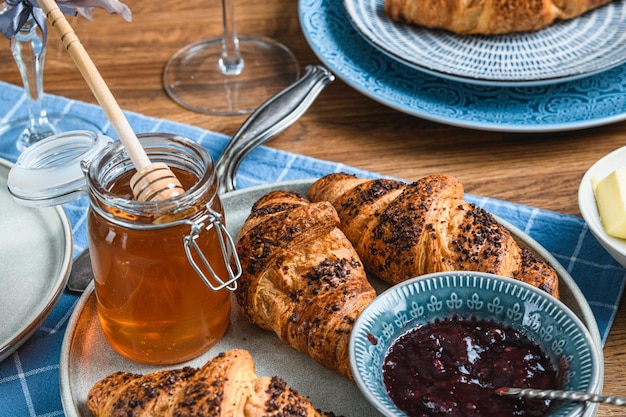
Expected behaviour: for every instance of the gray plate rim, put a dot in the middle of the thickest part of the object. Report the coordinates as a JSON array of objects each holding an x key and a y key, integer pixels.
[
  {"x": 40, "y": 308},
  {"x": 237, "y": 206}
]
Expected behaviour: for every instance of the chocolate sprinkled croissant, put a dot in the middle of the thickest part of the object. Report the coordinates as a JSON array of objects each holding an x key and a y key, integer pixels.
[
  {"x": 301, "y": 279},
  {"x": 226, "y": 386},
  {"x": 404, "y": 230},
  {"x": 488, "y": 17}
]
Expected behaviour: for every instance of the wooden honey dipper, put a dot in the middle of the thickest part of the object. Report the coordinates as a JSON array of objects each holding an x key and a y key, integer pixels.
[{"x": 152, "y": 181}]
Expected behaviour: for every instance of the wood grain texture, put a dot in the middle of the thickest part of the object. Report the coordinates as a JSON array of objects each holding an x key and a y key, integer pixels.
[{"x": 541, "y": 170}]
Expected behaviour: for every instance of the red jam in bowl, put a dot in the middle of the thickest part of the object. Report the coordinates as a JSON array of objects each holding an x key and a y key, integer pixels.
[{"x": 453, "y": 367}]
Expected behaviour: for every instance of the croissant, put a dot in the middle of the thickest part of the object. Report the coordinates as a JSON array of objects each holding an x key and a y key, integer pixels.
[
  {"x": 404, "y": 230},
  {"x": 301, "y": 279},
  {"x": 226, "y": 386},
  {"x": 488, "y": 17}
]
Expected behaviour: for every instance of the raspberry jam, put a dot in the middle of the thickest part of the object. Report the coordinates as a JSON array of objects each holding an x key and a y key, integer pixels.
[{"x": 453, "y": 367}]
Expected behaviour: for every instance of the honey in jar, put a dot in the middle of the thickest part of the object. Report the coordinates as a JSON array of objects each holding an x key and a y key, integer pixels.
[{"x": 153, "y": 297}]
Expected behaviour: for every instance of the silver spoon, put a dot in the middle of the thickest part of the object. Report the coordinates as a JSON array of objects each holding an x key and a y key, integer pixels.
[
  {"x": 272, "y": 117},
  {"x": 81, "y": 273},
  {"x": 562, "y": 395}
]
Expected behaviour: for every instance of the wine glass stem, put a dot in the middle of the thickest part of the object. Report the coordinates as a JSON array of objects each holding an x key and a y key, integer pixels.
[
  {"x": 29, "y": 53},
  {"x": 231, "y": 62}
]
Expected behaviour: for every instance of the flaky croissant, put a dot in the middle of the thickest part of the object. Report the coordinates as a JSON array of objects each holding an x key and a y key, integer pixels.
[
  {"x": 404, "y": 230},
  {"x": 488, "y": 17},
  {"x": 226, "y": 386},
  {"x": 301, "y": 279}
]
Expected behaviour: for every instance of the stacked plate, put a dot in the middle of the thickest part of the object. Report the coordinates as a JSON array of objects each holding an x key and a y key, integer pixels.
[
  {"x": 35, "y": 262},
  {"x": 570, "y": 75}
]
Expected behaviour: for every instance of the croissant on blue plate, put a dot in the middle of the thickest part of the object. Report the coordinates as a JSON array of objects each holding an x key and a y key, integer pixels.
[{"x": 487, "y": 17}]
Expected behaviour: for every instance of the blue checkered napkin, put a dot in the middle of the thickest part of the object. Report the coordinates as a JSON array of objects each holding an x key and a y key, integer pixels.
[{"x": 29, "y": 378}]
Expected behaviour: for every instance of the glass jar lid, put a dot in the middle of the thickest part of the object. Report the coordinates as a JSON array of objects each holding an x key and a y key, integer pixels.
[{"x": 50, "y": 172}]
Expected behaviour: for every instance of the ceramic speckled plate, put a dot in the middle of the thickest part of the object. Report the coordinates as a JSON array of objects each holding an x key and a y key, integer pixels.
[
  {"x": 86, "y": 357},
  {"x": 35, "y": 262},
  {"x": 563, "y": 51}
]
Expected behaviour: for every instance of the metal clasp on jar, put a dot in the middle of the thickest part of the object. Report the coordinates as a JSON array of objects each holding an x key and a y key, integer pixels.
[{"x": 213, "y": 220}]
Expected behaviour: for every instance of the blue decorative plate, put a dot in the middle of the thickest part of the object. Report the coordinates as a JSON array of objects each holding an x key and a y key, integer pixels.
[
  {"x": 587, "y": 102},
  {"x": 564, "y": 51}
]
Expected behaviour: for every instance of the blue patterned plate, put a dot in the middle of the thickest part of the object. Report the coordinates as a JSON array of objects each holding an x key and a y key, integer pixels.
[
  {"x": 564, "y": 51},
  {"x": 587, "y": 102},
  {"x": 473, "y": 295}
]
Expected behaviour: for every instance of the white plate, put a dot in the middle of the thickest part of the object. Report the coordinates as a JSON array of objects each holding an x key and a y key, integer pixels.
[
  {"x": 591, "y": 101},
  {"x": 35, "y": 262},
  {"x": 86, "y": 357},
  {"x": 564, "y": 51},
  {"x": 589, "y": 208}
]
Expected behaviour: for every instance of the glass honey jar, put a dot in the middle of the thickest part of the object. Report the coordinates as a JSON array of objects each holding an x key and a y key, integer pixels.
[{"x": 163, "y": 270}]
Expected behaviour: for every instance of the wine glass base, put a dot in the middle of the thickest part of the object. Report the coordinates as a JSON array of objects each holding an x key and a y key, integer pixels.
[
  {"x": 18, "y": 131},
  {"x": 194, "y": 79}
]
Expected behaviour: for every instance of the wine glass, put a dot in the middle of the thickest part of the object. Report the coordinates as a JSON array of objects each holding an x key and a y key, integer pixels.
[
  {"x": 229, "y": 75},
  {"x": 29, "y": 52}
]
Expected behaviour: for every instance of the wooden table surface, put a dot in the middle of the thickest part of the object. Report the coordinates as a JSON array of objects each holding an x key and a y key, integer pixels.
[{"x": 538, "y": 169}]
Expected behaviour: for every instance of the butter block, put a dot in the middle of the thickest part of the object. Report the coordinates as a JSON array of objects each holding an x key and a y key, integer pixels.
[{"x": 610, "y": 194}]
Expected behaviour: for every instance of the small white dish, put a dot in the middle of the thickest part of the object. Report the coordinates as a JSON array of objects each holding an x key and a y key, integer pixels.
[{"x": 589, "y": 209}]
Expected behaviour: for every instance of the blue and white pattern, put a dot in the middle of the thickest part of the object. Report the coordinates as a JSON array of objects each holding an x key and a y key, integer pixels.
[
  {"x": 590, "y": 101},
  {"x": 470, "y": 295},
  {"x": 29, "y": 378},
  {"x": 564, "y": 51}
]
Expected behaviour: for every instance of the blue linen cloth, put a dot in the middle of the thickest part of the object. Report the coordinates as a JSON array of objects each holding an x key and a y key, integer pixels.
[{"x": 29, "y": 384}]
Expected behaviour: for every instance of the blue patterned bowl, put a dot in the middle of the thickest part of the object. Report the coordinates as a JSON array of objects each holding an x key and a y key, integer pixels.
[{"x": 539, "y": 316}]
